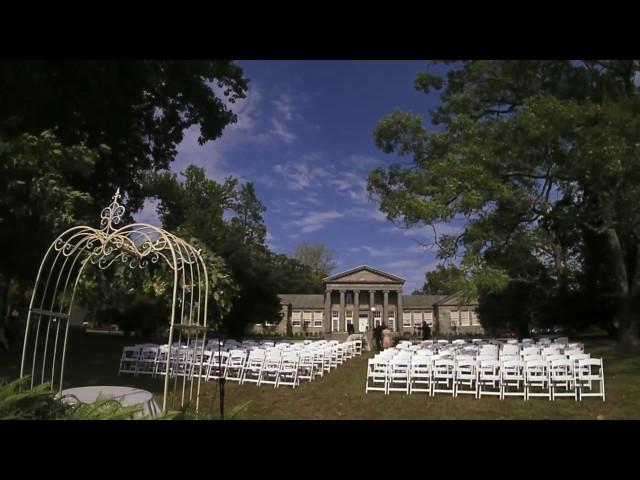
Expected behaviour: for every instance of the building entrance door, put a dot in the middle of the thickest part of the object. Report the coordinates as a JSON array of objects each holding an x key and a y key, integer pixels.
[{"x": 363, "y": 322}]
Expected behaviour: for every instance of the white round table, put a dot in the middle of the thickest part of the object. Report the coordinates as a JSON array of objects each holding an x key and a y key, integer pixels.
[{"x": 127, "y": 396}]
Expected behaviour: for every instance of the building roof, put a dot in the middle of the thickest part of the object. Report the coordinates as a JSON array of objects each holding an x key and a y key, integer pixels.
[
  {"x": 456, "y": 299},
  {"x": 299, "y": 300},
  {"x": 346, "y": 273},
  {"x": 420, "y": 301}
]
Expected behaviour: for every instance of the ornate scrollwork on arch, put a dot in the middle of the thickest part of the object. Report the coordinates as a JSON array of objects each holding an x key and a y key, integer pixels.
[{"x": 136, "y": 245}]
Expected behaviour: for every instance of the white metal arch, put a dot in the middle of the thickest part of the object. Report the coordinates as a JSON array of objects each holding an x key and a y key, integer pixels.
[{"x": 136, "y": 245}]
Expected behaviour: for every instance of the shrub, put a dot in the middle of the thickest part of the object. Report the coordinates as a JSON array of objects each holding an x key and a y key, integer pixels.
[{"x": 18, "y": 402}]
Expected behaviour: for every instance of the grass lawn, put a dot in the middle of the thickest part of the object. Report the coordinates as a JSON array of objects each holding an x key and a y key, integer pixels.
[{"x": 94, "y": 360}]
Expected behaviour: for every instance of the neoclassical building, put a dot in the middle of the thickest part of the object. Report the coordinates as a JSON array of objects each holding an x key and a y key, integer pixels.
[{"x": 365, "y": 297}]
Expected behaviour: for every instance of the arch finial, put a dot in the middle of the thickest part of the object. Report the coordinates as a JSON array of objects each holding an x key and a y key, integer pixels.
[{"x": 112, "y": 215}]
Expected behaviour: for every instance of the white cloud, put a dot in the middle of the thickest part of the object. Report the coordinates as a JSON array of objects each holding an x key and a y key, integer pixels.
[
  {"x": 401, "y": 264},
  {"x": 281, "y": 131},
  {"x": 211, "y": 155},
  {"x": 380, "y": 252},
  {"x": 300, "y": 175},
  {"x": 285, "y": 106},
  {"x": 363, "y": 161},
  {"x": 372, "y": 213},
  {"x": 314, "y": 221},
  {"x": 416, "y": 249}
]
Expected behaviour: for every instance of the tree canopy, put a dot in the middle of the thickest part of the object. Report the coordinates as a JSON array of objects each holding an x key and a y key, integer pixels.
[
  {"x": 139, "y": 109},
  {"x": 539, "y": 154},
  {"x": 443, "y": 281},
  {"x": 318, "y": 257}
]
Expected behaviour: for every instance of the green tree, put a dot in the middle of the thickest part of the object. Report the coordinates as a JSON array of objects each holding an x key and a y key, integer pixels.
[
  {"x": 38, "y": 199},
  {"x": 317, "y": 256},
  {"x": 540, "y": 151},
  {"x": 228, "y": 220},
  {"x": 291, "y": 276},
  {"x": 140, "y": 109},
  {"x": 248, "y": 220},
  {"x": 443, "y": 281}
]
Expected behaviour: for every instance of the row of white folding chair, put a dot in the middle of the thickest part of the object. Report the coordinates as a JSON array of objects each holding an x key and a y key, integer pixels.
[
  {"x": 541, "y": 378},
  {"x": 274, "y": 368},
  {"x": 489, "y": 377}
]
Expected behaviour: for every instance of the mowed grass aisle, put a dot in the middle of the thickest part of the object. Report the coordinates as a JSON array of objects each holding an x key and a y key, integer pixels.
[{"x": 93, "y": 360}]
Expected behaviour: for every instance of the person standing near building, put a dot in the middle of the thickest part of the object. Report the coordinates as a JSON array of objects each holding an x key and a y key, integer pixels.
[
  {"x": 426, "y": 331},
  {"x": 377, "y": 336},
  {"x": 387, "y": 341},
  {"x": 350, "y": 329}
]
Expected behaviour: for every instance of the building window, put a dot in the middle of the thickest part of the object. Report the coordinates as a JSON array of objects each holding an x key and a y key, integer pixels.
[
  {"x": 417, "y": 319},
  {"x": 428, "y": 317},
  {"x": 475, "y": 319},
  {"x": 465, "y": 320},
  {"x": 348, "y": 314},
  {"x": 296, "y": 318},
  {"x": 317, "y": 319},
  {"x": 406, "y": 319},
  {"x": 392, "y": 324},
  {"x": 455, "y": 318},
  {"x": 391, "y": 314},
  {"x": 335, "y": 320},
  {"x": 307, "y": 317},
  {"x": 377, "y": 318}
]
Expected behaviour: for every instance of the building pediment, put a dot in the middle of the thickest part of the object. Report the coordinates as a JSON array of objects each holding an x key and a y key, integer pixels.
[{"x": 363, "y": 274}]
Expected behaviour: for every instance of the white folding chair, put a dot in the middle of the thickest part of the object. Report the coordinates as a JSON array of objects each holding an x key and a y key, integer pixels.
[
  {"x": 590, "y": 370},
  {"x": 218, "y": 365},
  {"x": 443, "y": 372},
  {"x": 555, "y": 357},
  {"x": 420, "y": 376},
  {"x": 235, "y": 365},
  {"x": 129, "y": 360},
  {"x": 160, "y": 368},
  {"x": 252, "y": 370},
  {"x": 465, "y": 375},
  {"x": 488, "y": 378},
  {"x": 271, "y": 368},
  {"x": 377, "y": 379},
  {"x": 306, "y": 366},
  {"x": 562, "y": 378},
  {"x": 398, "y": 372},
  {"x": 147, "y": 360},
  {"x": 512, "y": 377},
  {"x": 201, "y": 363},
  {"x": 574, "y": 357},
  {"x": 527, "y": 351},
  {"x": 288, "y": 371},
  {"x": 537, "y": 379}
]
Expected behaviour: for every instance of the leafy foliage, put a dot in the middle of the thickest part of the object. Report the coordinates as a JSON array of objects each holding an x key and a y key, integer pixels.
[
  {"x": 543, "y": 155},
  {"x": 443, "y": 281},
  {"x": 139, "y": 109},
  {"x": 318, "y": 257},
  {"x": 19, "y": 403}
]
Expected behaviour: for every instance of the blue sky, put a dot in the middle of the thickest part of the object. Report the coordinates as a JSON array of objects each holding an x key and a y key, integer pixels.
[{"x": 304, "y": 137}]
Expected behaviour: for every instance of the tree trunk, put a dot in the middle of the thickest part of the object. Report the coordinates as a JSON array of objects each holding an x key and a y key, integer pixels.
[{"x": 628, "y": 290}]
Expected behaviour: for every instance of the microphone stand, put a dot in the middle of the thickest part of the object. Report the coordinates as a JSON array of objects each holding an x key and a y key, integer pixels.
[{"x": 221, "y": 378}]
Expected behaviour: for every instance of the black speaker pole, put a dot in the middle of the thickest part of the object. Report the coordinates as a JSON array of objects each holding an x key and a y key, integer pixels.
[{"x": 220, "y": 377}]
